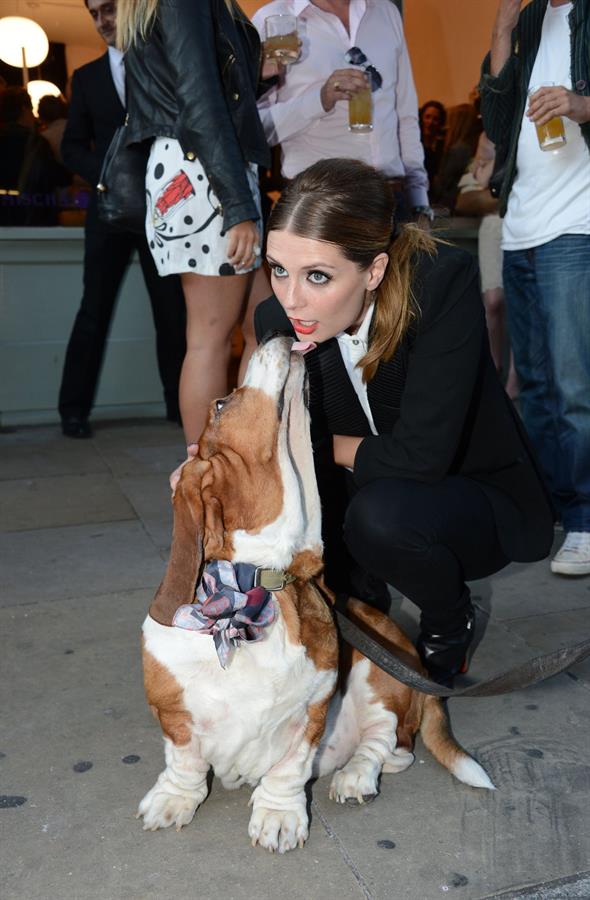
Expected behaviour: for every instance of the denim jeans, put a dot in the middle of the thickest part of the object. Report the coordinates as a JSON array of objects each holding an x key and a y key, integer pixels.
[{"x": 547, "y": 292}]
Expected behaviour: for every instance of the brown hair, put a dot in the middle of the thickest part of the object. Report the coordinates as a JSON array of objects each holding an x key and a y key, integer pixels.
[
  {"x": 463, "y": 126},
  {"x": 135, "y": 18},
  {"x": 348, "y": 203}
]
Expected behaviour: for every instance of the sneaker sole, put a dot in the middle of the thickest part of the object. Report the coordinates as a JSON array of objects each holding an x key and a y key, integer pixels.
[{"x": 563, "y": 568}]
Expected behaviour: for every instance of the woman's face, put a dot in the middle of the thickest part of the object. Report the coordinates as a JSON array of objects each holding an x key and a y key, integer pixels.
[
  {"x": 431, "y": 120},
  {"x": 322, "y": 292}
]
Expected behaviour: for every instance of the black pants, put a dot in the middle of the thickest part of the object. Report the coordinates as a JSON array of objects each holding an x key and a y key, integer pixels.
[
  {"x": 106, "y": 258},
  {"x": 425, "y": 540}
]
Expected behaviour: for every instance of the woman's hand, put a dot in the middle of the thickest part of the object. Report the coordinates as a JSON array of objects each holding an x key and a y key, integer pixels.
[
  {"x": 271, "y": 68},
  {"x": 345, "y": 448},
  {"x": 548, "y": 102},
  {"x": 244, "y": 245},
  {"x": 191, "y": 452},
  {"x": 342, "y": 85}
]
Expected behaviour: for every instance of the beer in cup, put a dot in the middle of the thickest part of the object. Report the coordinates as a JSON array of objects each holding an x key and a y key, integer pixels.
[
  {"x": 551, "y": 135},
  {"x": 360, "y": 111},
  {"x": 282, "y": 41}
]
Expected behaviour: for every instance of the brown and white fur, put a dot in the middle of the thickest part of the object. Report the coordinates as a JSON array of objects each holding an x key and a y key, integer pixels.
[{"x": 274, "y": 717}]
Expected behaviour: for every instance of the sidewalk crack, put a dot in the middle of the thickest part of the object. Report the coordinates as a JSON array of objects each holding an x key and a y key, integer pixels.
[{"x": 343, "y": 852}]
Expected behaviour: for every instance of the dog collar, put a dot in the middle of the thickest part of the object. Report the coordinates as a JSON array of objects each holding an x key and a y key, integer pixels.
[
  {"x": 233, "y": 603},
  {"x": 272, "y": 579}
]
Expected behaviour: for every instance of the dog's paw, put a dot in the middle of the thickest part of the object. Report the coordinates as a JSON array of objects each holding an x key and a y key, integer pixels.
[
  {"x": 355, "y": 783},
  {"x": 166, "y": 805},
  {"x": 280, "y": 830}
]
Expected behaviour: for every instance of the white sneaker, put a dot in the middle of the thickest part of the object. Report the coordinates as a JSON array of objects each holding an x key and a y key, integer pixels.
[{"x": 574, "y": 556}]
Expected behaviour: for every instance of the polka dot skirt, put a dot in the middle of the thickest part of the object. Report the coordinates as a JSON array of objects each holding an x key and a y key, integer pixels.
[{"x": 184, "y": 225}]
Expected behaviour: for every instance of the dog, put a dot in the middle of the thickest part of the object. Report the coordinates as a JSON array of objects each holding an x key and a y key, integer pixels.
[{"x": 255, "y": 692}]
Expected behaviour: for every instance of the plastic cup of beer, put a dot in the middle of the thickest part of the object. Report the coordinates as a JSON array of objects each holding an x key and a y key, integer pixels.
[
  {"x": 360, "y": 111},
  {"x": 282, "y": 41},
  {"x": 551, "y": 135}
]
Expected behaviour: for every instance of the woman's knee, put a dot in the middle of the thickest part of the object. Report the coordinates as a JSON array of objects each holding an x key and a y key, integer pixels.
[{"x": 378, "y": 521}]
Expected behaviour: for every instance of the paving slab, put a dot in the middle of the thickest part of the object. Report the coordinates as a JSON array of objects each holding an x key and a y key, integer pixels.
[
  {"x": 577, "y": 887},
  {"x": 447, "y": 837},
  {"x": 42, "y": 452},
  {"x": 80, "y": 749},
  {"x": 532, "y": 589},
  {"x": 150, "y": 497},
  {"x": 552, "y": 630},
  {"x": 52, "y": 563},
  {"x": 33, "y": 503}
]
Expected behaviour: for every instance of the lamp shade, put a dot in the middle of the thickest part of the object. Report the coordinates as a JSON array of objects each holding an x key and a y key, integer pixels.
[
  {"x": 38, "y": 89},
  {"x": 17, "y": 33}
]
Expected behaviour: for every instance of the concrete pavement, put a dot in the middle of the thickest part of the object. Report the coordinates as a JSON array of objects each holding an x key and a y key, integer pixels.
[{"x": 86, "y": 530}]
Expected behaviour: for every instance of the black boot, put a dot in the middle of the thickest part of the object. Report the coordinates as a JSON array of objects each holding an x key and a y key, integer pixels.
[{"x": 444, "y": 654}]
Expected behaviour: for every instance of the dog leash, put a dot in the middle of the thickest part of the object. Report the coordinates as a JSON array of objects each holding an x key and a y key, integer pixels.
[{"x": 524, "y": 675}]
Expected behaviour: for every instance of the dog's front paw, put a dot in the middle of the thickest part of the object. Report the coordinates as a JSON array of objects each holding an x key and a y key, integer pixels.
[
  {"x": 167, "y": 805},
  {"x": 280, "y": 830},
  {"x": 355, "y": 783}
]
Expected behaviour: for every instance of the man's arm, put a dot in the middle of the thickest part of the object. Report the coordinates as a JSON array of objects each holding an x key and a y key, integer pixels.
[
  {"x": 411, "y": 150},
  {"x": 499, "y": 74},
  {"x": 505, "y": 23},
  {"x": 77, "y": 146},
  {"x": 475, "y": 202}
]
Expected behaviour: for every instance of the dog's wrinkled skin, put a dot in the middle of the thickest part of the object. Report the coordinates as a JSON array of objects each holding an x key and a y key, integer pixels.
[{"x": 267, "y": 720}]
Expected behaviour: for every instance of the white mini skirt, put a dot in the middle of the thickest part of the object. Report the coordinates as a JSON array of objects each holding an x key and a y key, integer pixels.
[{"x": 184, "y": 224}]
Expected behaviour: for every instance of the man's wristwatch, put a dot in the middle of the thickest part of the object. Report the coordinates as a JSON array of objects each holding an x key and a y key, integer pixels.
[{"x": 424, "y": 211}]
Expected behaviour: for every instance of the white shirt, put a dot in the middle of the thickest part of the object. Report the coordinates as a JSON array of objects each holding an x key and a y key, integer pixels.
[
  {"x": 292, "y": 113},
  {"x": 352, "y": 348},
  {"x": 551, "y": 193},
  {"x": 117, "y": 65}
]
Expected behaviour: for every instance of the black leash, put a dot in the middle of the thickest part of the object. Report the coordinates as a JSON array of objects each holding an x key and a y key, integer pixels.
[{"x": 530, "y": 672}]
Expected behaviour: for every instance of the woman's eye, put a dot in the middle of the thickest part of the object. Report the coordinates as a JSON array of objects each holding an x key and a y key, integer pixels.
[
  {"x": 318, "y": 278},
  {"x": 278, "y": 271}
]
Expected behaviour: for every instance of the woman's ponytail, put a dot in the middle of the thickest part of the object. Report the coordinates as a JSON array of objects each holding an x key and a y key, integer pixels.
[{"x": 394, "y": 307}]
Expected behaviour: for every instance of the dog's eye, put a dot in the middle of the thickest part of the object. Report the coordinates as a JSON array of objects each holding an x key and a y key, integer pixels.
[{"x": 219, "y": 404}]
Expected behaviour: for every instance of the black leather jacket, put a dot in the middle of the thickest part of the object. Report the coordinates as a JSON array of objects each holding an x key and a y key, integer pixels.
[{"x": 194, "y": 79}]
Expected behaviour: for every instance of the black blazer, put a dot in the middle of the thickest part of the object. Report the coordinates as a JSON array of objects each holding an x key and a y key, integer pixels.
[
  {"x": 95, "y": 113},
  {"x": 195, "y": 79},
  {"x": 438, "y": 405}
]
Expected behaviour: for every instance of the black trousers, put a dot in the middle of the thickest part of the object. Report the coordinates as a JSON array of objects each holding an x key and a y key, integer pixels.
[
  {"x": 425, "y": 540},
  {"x": 106, "y": 258}
]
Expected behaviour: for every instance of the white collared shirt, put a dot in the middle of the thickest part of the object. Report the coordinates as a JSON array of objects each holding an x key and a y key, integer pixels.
[
  {"x": 292, "y": 113},
  {"x": 117, "y": 64},
  {"x": 352, "y": 348}
]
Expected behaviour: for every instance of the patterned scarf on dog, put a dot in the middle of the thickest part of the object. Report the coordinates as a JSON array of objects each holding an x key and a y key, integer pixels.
[{"x": 228, "y": 607}]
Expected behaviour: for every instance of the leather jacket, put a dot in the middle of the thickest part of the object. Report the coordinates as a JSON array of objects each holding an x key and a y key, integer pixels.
[{"x": 194, "y": 78}]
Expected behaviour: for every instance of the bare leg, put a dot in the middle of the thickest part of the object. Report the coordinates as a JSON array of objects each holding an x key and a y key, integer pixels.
[
  {"x": 512, "y": 385},
  {"x": 493, "y": 301},
  {"x": 260, "y": 289},
  {"x": 213, "y": 307}
]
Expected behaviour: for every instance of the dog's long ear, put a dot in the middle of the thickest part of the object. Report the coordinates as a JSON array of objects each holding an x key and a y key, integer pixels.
[{"x": 186, "y": 554}]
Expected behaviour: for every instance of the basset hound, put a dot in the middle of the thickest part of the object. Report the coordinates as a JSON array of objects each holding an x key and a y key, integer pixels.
[{"x": 244, "y": 675}]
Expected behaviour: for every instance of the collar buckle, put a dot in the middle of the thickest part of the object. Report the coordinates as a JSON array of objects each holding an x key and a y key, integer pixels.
[{"x": 272, "y": 579}]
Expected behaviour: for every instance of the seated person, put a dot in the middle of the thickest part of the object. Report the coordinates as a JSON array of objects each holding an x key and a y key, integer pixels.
[
  {"x": 463, "y": 131},
  {"x": 28, "y": 165},
  {"x": 475, "y": 199}
]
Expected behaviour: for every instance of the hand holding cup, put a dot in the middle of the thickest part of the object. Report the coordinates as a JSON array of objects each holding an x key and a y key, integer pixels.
[{"x": 342, "y": 84}]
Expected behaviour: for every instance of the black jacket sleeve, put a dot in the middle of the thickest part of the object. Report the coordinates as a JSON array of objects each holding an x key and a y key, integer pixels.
[
  {"x": 499, "y": 98},
  {"x": 440, "y": 382},
  {"x": 78, "y": 143},
  {"x": 188, "y": 35}
]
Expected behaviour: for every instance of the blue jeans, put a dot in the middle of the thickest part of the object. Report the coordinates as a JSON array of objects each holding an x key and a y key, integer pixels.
[{"x": 548, "y": 299}]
